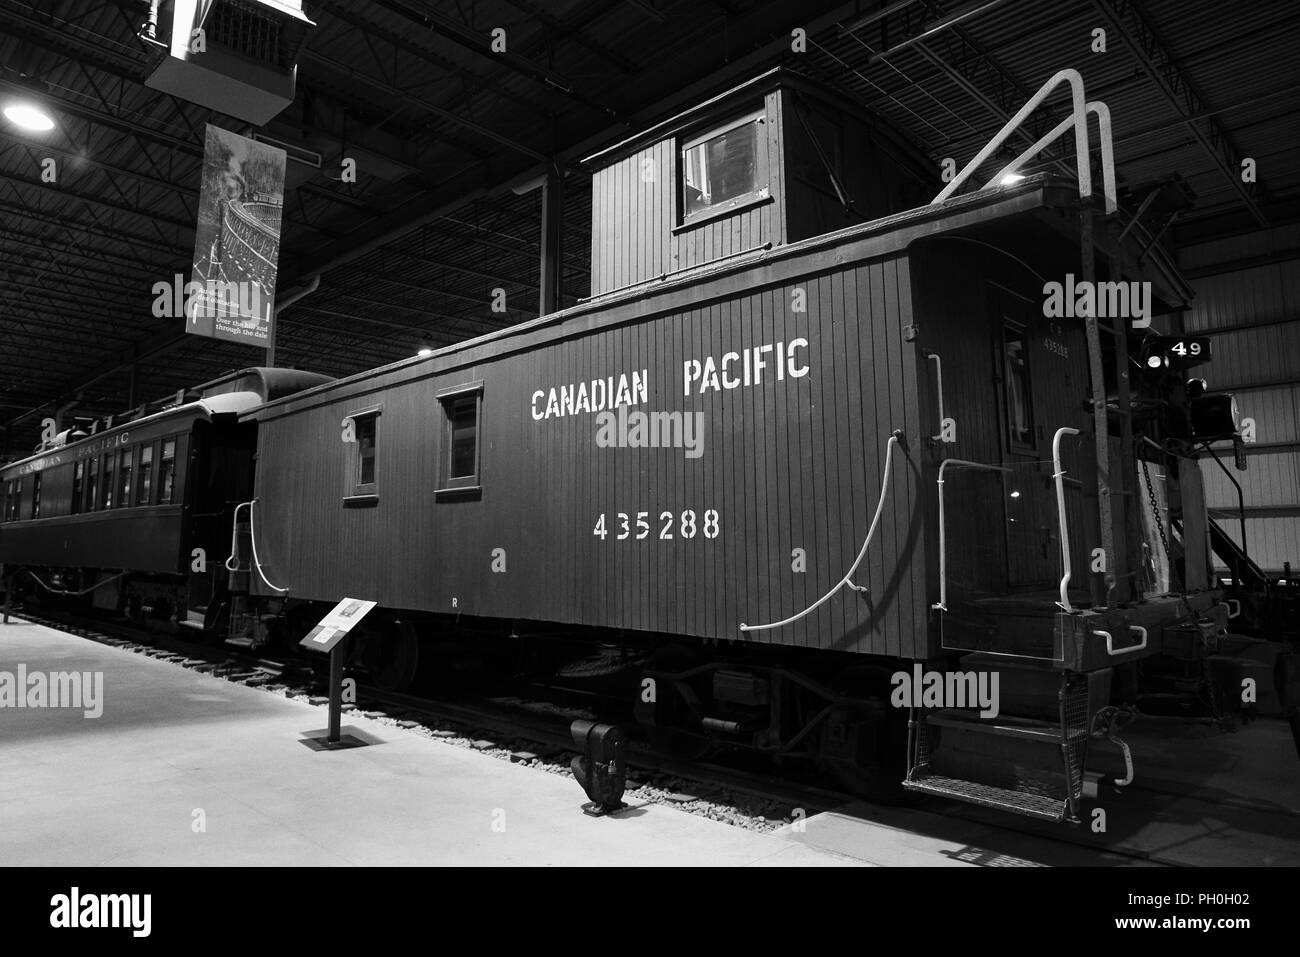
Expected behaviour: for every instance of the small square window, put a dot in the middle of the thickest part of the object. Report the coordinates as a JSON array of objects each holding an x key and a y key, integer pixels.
[
  {"x": 724, "y": 168},
  {"x": 462, "y": 411}
]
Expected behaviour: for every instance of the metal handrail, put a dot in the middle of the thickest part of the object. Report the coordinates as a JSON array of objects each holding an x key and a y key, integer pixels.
[
  {"x": 232, "y": 563},
  {"x": 1058, "y": 476},
  {"x": 1078, "y": 118},
  {"x": 895, "y": 439},
  {"x": 942, "y": 604}
]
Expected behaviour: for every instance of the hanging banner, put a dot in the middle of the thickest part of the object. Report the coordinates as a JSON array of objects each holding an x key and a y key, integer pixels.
[{"x": 231, "y": 295}]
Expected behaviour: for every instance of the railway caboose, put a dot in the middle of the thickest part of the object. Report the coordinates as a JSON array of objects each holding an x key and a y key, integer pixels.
[
  {"x": 137, "y": 516},
  {"x": 824, "y": 453}
]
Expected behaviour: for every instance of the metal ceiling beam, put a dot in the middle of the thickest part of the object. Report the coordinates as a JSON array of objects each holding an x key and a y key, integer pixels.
[
  {"x": 63, "y": 192},
  {"x": 115, "y": 235},
  {"x": 574, "y": 33},
  {"x": 479, "y": 44},
  {"x": 1136, "y": 29},
  {"x": 111, "y": 262},
  {"x": 342, "y": 10},
  {"x": 419, "y": 102}
]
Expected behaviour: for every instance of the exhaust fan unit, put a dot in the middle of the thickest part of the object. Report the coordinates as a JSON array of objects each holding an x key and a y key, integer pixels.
[{"x": 238, "y": 57}]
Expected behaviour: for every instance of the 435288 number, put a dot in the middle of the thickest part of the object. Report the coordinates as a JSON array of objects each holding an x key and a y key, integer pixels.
[{"x": 686, "y": 524}]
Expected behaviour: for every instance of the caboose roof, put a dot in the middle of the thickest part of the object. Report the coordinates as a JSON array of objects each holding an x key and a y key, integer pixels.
[{"x": 776, "y": 78}]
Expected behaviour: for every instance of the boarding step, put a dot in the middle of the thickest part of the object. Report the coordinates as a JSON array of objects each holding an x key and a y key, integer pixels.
[
  {"x": 1026, "y": 803},
  {"x": 1028, "y": 729}
]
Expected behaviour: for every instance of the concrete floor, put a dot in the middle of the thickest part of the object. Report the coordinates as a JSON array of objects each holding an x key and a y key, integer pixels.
[{"x": 187, "y": 769}]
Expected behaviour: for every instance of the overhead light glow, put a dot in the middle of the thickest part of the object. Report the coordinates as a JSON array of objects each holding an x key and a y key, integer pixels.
[
  {"x": 28, "y": 117},
  {"x": 1015, "y": 495},
  {"x": 1010, "y": 178},
  {"x": 426, "y": 351}
]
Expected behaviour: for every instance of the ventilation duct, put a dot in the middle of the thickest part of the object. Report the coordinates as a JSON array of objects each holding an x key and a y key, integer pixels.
[{"x": 238, "y": 57}]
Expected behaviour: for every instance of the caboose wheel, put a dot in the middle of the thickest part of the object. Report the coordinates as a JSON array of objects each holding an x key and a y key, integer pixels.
[
  {"x": 869, "y": 757},
  {"x": 392, "y": 655},
  {"x": 667, "y": 721}
]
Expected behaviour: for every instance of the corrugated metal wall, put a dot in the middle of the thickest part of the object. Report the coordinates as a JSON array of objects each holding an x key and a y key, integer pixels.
[{"x": 1248, "y": 301}]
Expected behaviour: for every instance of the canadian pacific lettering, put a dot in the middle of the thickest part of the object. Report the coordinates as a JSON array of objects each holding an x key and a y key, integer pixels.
[
  {"x": 582, "y": 397},
  {"x": 734, "y": 370}
]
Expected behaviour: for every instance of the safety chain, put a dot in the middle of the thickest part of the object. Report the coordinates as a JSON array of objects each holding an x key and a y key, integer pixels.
[{"x": 1160, "y": 525}]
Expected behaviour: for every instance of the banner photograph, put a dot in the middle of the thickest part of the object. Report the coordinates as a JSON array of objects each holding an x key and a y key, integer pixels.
[{"x": 237, "y": 243}]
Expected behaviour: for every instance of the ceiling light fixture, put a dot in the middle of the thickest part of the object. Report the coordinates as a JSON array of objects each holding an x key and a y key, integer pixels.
[
  {"x": 28, "y": 117},
  {"x": 1010, "y": 178}
]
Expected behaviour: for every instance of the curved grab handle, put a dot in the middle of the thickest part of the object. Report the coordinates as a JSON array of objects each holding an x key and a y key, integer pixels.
[
  {"x": 897, "y": 438},
  {"x": 1230, "y": 602},
  {"x": 1110, "y": 640},
  {"x": 938, "y": 376}
]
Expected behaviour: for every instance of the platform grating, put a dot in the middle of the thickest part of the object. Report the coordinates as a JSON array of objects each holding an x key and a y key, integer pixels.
[{"x": 987, "y": 795}]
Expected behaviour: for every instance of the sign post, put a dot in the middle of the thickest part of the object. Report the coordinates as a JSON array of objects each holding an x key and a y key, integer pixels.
[{"x": 328, "y": 637}]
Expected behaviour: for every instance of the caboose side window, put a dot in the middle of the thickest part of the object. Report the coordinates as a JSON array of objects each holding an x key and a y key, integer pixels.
[
  {"x": 367, "y": 429},
  {"x": 724, "y": 168},
  {"x": 362, "y": 482},
  {"x": 144, "y": 484},
  {"x": 36, "y": 495},
  {"x": 167, "y": 472},
  {"x": 462, "y": 409},
  {"x": 78, "y": 486},
  {"x": 1015, "y": 361}
]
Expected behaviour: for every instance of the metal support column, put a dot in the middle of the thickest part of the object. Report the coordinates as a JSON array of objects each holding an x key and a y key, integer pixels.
[
  {"x": 552, "y": 239},
  {"x": 1102, "y": 588}
]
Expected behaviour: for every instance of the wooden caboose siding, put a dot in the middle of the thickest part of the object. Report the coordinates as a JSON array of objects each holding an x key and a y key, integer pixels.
[
  {"x": 794, "y": 463},
  {"x": 635, "y": 235}
]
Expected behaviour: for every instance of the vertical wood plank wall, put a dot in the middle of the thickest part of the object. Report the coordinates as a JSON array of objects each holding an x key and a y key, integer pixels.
[
  {"x": 635, "y": 210},
  {"x": 788, "y": 464}
]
